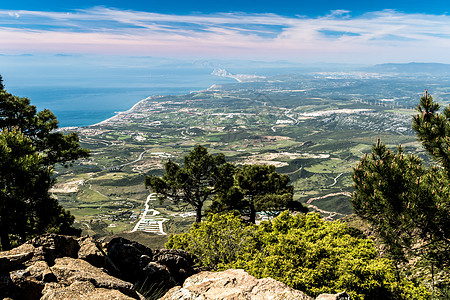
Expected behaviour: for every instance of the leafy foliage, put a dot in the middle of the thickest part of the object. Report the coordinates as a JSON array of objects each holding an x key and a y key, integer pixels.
[
  {"x": 302, "y": 251},
  {"x": 29, "y": 148},
  {"x": 16, "y": 112},
  {"x": 26, "y": 207},
  {"x": 433, "y": 130},
  {"x": 216, "y": 241}
]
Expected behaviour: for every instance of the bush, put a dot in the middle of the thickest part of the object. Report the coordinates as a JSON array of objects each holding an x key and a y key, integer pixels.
[{"x": 302, "y": 251}]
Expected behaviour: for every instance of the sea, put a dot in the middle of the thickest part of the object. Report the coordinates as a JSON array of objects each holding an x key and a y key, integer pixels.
[
  {"x": 84, "y": 106},
  {"x": 83, "y": 91}
]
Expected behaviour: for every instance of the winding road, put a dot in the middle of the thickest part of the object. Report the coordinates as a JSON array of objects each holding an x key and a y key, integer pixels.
[
  {"x": 335, "y": 180},
  {"x": 129, "y": 163}
]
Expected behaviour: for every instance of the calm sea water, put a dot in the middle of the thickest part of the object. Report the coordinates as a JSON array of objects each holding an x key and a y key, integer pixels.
[
  {"x": 85, "y": 92},
  {"x": 87, "y": 106}
]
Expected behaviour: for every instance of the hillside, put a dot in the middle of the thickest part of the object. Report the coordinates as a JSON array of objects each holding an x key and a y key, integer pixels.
[{"x": 413, "y": 68}]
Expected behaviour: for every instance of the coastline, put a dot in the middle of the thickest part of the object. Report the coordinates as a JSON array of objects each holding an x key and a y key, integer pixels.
[
  {"x": 120, "y": 114},
  {"x": 131, "y": 110}
]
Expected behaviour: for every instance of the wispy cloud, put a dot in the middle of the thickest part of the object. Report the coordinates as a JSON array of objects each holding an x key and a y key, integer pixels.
[{"x": 373, "y": 37}]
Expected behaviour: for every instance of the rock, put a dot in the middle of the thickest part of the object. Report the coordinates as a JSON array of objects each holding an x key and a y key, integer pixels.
[
  {"x": 52, "y": 246},
  {"x": 90, "y": 252},
  {"x": 232, "y": 284},
  {"x": 128, "y": 257},
  {"x": 340, "y": 296},
  {"x": 12, "y": 259},
  {"x": 155, "y": 274},
  {"x": 68, "y": 270},
  {"x": 41, "y": 272},
  {"x": 48, "y": 266},
  {"x": 29, "y": 283},
  {"x": 179, "y": 263},
  {"x": 151, "y": 271},
  {"x": 83, "y": 290}
]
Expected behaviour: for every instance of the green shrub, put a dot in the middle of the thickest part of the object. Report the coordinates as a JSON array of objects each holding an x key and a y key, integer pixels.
[{"x": 302, "y": 251}]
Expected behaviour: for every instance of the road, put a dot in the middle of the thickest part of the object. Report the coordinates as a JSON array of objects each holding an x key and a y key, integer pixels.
[
  {"x": 129, "y": 163},
  {"x": 148, "y": 222},
  {"x": 335, "y": 180}
]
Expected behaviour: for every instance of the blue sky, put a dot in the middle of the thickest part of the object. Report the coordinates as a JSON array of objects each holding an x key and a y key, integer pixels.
[
  {"x": 282, "y": 7},
  {"x": 302, "y": 31}
]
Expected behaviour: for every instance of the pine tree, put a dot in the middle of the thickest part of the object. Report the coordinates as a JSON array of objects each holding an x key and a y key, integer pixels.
[
  {"x": 29, "y": 149},
  {"x": 194, "y": 183},
  {"x": 408, "y": 203},
  {"x": 255, "y": 188}
]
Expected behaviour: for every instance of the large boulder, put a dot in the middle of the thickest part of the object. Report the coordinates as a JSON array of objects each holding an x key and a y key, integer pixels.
[
  {"x": 69, "y": 270},
  {"x": 32, "y": 280},
  {"x": 179, "y": 263},
  {"x": 55, "y": 266},
  {"x": 339, "y": 296},
  {"x": 151, "y": 270},
  {"x": 48, "y": 247},
  {"x": 232, "y": 284},
  {"x": 48, "y": 266},
  {"x": 80, "y": 290},
  {"x": 129, "y": 258},
  {"x": 90, "y": 252},
  {"x": 14, "y": 258}
]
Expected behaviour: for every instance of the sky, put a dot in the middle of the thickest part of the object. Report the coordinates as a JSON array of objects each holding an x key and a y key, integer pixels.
[{"x": 347, "y": 31}]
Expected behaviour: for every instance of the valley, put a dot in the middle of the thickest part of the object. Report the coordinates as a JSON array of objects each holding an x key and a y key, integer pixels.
[{"x": 313, "y": 128}]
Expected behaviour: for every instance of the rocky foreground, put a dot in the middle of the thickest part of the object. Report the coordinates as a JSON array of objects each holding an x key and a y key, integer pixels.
[{"x": 62, "y": 267}]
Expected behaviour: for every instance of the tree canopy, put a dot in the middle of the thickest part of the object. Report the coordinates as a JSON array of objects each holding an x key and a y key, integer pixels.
[
  {"x": 203, "y": 177},
  {"x": 406, "y": 201},
  {"x": 194, "y": 183},
  {"x": 254, "y": 188},
  {"x": 29, "y": 148},
  {"x": 55, "y": 147}
]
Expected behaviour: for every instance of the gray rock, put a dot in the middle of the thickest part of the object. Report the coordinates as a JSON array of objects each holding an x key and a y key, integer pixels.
[
  {"x": 12, "y": 259},
  {"x": 79, "y": 290},
  {"x": 52, "y": 246},
  {"x": 129, "y": 258},
  {"x": 48, "y": 266},
  {"x": 30, "y": 282},
  {"x": 179, "y": 263},
  {"x": 232, "y": 284},
  {"x": 339, "y": 296},
  {"x": 90, "y": 252},
  {"x": 68, "y": 270}
]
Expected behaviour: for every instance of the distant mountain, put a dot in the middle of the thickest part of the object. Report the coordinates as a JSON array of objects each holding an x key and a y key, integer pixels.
[{"x": 410, "y": 68}]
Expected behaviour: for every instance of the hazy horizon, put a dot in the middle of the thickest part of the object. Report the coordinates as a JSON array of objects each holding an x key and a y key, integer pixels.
[{"x": 107, "y": 55}]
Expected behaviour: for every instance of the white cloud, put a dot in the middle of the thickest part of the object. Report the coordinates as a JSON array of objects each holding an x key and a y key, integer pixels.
[
  {"x": 373, "y": 37},
  {"x": 14, "y": 14}
]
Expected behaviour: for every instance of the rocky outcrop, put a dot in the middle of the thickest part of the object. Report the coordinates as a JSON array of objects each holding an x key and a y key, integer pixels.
[
  {"x": 235, "y": 284},
  {"x": 339, "y": 296},
  {"x": 158, "y": 269},
  {"x": 80, "y": 290},
  {"x": 62, "y": 267},
  {"x": 90, "y": 252}
]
